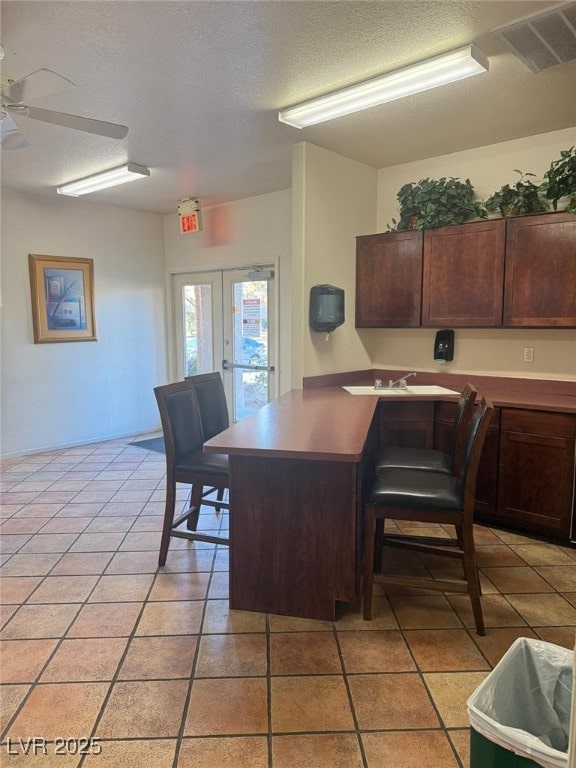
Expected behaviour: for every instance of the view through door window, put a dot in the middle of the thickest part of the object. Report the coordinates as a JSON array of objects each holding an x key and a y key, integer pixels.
[
  {"x": 199, "y": 342},
  {"x": 224, "y": 321},
  {"x": 250, "y": 346}
]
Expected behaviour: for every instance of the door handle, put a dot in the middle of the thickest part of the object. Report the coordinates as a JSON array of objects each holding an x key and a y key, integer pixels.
[{"x": 227, "y": 365}]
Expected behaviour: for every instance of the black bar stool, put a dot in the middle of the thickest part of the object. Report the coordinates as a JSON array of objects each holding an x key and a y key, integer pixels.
[{"x": 430, "y": 497}]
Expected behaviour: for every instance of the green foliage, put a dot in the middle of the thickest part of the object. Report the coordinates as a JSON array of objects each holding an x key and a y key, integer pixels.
[
  {"x": 560, "y": 180},
  {"x": 521, "y": 198},
  {"x": 436, "y": 203}
]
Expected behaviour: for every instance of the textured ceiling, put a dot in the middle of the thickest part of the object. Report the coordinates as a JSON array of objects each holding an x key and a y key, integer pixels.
[{"x": 199, "y": 84}]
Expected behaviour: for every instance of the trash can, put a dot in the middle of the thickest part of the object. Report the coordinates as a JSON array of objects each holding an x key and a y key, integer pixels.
[{"x": 520, "y": 714}]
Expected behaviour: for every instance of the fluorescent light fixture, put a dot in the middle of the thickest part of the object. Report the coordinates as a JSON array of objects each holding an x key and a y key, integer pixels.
[
  {"x": 431, "y": 73},
  {"x": 128, "y": 172}
]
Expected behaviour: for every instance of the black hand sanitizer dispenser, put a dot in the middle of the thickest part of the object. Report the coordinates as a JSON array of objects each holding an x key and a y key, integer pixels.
[
  {"x": 326, "y": 308},
  {"x": 444, "y": 346}
]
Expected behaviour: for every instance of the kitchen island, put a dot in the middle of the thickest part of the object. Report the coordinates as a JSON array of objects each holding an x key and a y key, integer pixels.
[{"x": 298, "y": 468}]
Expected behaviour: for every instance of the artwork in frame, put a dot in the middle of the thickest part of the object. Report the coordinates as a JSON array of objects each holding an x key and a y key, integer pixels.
[{"x": 62, "y": 298}]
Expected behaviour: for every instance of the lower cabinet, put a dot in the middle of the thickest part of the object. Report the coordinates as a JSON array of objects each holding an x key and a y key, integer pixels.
[
  {"x": 536, "y": 471},
  {"x": 410, "y": 425},
  {"x": 526, "y": 475}
]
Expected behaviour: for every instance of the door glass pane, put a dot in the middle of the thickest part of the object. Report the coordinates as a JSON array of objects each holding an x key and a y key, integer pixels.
[
  {"x": 250, "y": 346},
  {"x": 198, "y": 333}
]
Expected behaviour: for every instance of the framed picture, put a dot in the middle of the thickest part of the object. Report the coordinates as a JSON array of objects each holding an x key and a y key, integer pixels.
[{"x": 62, "y": 298}]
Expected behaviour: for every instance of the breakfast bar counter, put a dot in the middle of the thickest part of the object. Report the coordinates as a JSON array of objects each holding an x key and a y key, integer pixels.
[{"x": 296, "y": 473}]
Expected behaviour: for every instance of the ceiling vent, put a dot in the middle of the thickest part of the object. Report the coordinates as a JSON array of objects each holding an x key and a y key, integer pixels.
[{"x": 543, "y": 40}]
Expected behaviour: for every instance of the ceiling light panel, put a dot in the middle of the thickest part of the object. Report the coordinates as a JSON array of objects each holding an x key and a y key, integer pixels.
[
  {"x": 104, "y": 180},
  {"x": 423, "y": 76}
]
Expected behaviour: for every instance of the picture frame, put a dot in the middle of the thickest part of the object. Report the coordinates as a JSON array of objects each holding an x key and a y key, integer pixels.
[{"x": 62, "y": 290}]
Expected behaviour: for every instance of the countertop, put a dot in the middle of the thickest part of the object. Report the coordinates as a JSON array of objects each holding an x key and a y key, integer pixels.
[
  {"x": 505, "y": 392},
  {"x": 325, "y": 424}
]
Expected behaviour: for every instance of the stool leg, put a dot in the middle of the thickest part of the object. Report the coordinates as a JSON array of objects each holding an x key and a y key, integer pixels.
[
  {"x": 168, "y": 520},
  {"x": 369, "y": 535},
  {"x": 473, "y": 579},
  {"x": 195, "y": 504},
  {"x": 378, "y": 544},
  {"x": 460, "y": 536}
]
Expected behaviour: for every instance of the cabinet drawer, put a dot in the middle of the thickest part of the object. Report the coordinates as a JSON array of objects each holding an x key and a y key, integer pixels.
[
  {"x": 445, "y": 413},
  {"x": 539, "y": 422},
  {"x": 407, "y": 411}
]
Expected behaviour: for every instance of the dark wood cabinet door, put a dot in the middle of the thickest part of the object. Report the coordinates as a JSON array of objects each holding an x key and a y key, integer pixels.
[
  {"x": 485, "y": 502},
  {"x": 541, "y": 271},
  {"x": 536, "y": 472},
  {"x": 463, "y": 277},
  {"x": 388, "y": 280},
  {"x": 409, "y": 425}
]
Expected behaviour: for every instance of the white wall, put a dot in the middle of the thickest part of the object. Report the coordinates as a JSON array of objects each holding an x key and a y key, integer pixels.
[
  {"x": 334, "y": 201},
  {"x": 60, "y": 394},
  {"x": 255, "y": 230},
  {"x": 496, "y": 352}
]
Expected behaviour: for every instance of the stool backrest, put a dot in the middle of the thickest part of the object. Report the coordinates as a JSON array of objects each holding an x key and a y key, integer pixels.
[
  {"x": 180, "y": 416},
  {"x": 212, "y": 403},
  {"x": 459, "y": 431},
  {"x": 477, "y": 432}
]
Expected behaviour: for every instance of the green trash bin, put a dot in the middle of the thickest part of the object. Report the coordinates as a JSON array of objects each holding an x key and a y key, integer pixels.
[{"x": 520, "y": 714}]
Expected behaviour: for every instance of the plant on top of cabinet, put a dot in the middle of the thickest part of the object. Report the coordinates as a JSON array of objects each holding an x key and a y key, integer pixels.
[
  {"x": 435, "y": 203},
  {"x": 517, "y": 200},
  {"x": 560, "y": 180}
]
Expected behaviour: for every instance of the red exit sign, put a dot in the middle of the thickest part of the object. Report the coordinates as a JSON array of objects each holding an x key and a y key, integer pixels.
[
  {"x": 190, "y": 216},
  {"x": 189, "y": 223}
]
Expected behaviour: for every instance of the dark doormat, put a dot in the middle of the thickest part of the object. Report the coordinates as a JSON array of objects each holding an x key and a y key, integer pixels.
[{"x": 152, "y": 444}]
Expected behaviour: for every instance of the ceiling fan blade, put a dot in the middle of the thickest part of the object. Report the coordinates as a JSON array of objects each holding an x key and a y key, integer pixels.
[
  {"x": 11, "y": 136},
  {"x": 101, "y": 128},
  {"x": 36, "y": 85}
]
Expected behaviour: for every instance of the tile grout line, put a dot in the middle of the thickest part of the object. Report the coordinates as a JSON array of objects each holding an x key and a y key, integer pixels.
[
  {"x": 181, "y": 732},
  {"x": 357, "y": 729}
]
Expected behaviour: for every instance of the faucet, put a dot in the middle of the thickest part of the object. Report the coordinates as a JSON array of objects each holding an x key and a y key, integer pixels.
[{"x": 401, "y": 382}]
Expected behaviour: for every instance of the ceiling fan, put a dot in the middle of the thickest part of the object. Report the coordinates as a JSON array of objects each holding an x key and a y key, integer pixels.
[{"x": 15, "y": 98}]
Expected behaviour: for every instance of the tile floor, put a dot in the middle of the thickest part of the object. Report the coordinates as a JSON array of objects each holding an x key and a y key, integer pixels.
[{"x": 104, "y": 654}]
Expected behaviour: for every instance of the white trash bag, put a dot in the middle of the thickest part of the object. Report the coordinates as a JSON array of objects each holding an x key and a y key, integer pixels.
[{"x": 524, "y": 704}]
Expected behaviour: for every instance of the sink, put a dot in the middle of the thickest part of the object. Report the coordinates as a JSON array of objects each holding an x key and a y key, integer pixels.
[
  {"x": 431, "y": 389},
  {"x": 424, "y": 389}
]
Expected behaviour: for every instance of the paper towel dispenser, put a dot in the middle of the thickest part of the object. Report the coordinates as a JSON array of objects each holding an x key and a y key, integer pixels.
[{"x": 326, "y": 308}]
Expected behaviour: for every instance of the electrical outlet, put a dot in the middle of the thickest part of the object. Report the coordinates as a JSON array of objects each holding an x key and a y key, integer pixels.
[{"x": 528, "y": 354}]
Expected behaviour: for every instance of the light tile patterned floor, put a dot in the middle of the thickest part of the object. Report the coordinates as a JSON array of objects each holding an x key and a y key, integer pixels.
[{"x": 97, "y": 643}]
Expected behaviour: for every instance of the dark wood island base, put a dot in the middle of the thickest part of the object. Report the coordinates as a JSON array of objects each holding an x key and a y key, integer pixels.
[{"x": 296, "y": 471}]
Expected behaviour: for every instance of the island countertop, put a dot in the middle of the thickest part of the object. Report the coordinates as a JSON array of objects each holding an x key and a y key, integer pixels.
[{"x": 325, "y": 424}]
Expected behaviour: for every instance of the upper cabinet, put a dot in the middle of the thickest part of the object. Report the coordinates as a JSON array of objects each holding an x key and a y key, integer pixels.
[
  {"x": 388, "y": 280},
  {"x": 464, "y": 275},
  {"x": 493, "y": 273},
  {"x": 541, "y": 271}
]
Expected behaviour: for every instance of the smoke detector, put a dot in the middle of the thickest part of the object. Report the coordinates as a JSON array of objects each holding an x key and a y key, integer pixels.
[{"x": 543, "y": 40}]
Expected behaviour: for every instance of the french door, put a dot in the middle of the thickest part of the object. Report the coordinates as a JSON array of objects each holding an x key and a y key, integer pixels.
[{"x": 225, "y": 321}]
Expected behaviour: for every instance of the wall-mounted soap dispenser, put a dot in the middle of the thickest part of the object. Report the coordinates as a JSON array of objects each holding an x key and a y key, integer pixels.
[{"x": 444, "y": 346}]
